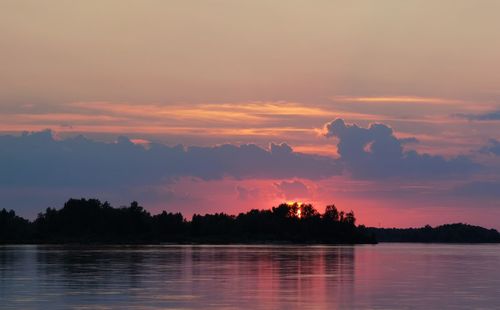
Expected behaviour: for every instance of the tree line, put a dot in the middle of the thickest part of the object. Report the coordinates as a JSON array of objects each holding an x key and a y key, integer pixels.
[
  {"x": 448, "y": 233},
  {"x": 93, "y": 221}
]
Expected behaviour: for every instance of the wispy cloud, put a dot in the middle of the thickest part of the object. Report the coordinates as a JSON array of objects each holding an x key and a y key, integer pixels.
[
  {"x": 258, "y": 122},
  {"x": 230, "y": 119},
  {"x": 253, "y": 112},
  {"x": 487, "y": 116},
  {"x": 396, "y": 99}
]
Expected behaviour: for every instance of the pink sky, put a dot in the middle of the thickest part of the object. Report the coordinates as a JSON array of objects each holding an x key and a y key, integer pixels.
[{"x": 258, "y": 72}]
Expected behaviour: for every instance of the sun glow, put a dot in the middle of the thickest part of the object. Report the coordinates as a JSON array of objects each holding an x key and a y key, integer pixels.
[{"x": 298, "y": 206}]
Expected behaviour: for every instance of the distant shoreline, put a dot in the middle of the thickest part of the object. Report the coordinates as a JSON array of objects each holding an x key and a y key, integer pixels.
[
  {"x": 256, "y": 244},
  {"x": 447, "y": 233}
]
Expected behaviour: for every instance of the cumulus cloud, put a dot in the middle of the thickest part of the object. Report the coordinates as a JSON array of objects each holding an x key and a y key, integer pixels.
[
  {"x": 244, "y": 193},
  {"x": 375, "y": 152},
  {"x": 292, "y": 189},
  {"x": 38, "y": 159}
]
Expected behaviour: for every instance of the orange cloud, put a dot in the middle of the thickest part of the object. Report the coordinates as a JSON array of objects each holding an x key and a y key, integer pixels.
[
  {"x": 397, "y": 99},
  {"x": 253, "y": 112},
  {"x": 256, "y": 121},
  {"x": 230, "y": 120}
]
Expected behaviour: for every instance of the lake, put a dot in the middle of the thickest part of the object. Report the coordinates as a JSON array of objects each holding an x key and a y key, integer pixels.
[{"x": 383, "y": 276}]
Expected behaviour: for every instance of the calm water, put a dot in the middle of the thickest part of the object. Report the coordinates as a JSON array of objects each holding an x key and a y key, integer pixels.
[{"x": 385, "y": 276}]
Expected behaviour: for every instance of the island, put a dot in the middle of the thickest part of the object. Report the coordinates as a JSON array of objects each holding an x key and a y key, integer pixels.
[
  {"x": 90, "y": 221},
  {"x": 93, "y": 221},
  {"x": 448, "y": 233}
]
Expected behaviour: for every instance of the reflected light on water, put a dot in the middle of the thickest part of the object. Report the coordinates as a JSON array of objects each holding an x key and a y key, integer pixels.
[{"x": 250, "y": 277}]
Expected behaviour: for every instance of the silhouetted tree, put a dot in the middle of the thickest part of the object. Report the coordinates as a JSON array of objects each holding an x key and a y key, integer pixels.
[
  {"x": 308, "y": 211},
  {"x": 14, "y": 228},
  {"x": 284, "y": 210},
  {"x": 169, "y": 226},
  {"x": 331, "y": 213},
  {"x": 349, "y": 218}
]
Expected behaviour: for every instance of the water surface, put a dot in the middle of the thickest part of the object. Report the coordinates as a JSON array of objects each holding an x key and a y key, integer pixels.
[{"x": 384, "y": 276}]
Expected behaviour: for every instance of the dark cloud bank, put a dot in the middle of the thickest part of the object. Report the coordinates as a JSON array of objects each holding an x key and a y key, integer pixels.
[{"x": 38, "y": 159}]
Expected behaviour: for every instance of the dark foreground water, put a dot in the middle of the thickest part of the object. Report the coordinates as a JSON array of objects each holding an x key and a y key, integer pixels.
[{"x": 384, "y": 276}]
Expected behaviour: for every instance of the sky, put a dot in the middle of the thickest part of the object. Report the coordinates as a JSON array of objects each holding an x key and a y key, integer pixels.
[{"x": 388, "y": 108}]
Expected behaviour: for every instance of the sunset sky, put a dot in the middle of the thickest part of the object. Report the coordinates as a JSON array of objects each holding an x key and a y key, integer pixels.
[{"x": 388, "y": 108}]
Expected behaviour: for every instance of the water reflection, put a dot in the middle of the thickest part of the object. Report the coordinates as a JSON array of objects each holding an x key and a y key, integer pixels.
[
  {"x": 251, "y": 277},
  {"x": 181, "y": 277}
]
